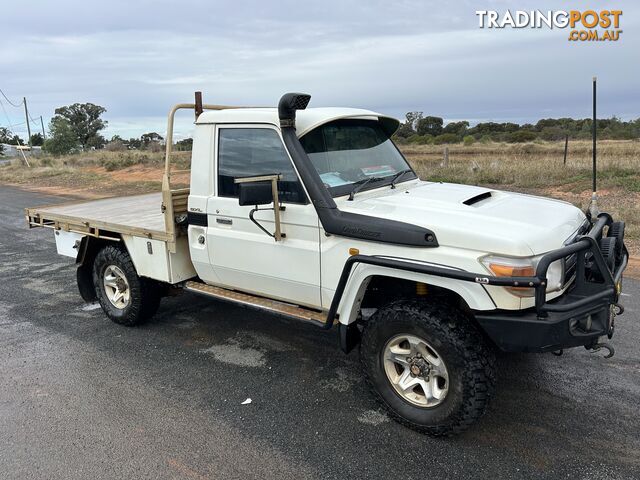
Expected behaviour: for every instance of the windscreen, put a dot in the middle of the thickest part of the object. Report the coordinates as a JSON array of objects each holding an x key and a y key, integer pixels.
[{"x": 350, "y": 151}]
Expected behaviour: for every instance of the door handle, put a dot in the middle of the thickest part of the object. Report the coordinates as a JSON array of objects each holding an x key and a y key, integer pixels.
[{"x": 224, "y": 221}]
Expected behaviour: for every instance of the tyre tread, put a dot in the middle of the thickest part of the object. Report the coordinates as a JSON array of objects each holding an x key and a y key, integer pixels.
[
  {"x": 479, "y": 376},
  {"x": 145, "y": 294}
]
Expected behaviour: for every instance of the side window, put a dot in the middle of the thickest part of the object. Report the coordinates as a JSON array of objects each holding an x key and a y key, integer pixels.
[{"x": 247, "y": 152}]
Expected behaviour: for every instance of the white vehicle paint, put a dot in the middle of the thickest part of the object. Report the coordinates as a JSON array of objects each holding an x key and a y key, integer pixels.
[{"x": 314, "y": 214}]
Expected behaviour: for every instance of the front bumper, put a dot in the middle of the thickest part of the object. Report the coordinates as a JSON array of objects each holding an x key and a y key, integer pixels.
[
  {"x": 580, "y": 317},
  {"x": 527, "y": 332}
]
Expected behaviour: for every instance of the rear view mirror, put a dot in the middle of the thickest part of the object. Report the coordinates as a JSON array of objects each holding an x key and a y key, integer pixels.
[
  {"x": 255, "y": 193},
  {"x": 261, "y": 190}
]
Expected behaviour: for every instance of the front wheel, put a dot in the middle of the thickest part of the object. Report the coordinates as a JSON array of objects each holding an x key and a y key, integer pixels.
[
  {"x": 429, "y": 366},
  {"x": 125, "y": 297}
]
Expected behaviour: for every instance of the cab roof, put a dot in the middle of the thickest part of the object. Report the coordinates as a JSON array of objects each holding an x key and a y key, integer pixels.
[{"x": 306, "y": 120}]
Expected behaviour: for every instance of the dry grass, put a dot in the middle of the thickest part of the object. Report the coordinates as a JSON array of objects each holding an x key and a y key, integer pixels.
[
  {"x": 538, "y": 168},
  {"x": 533, "y": 168},
  {"x": 530, "y": 165}
]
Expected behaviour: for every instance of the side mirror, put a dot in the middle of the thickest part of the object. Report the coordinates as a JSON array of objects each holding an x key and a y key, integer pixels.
[
  {"x": 261, "y": 190},
  {"x": 255, "y": 193}
]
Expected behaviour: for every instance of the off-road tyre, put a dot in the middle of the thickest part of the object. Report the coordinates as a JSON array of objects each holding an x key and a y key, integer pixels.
[
  {"x": 616, "y": 230},
  {"x": 144, "y": 294},
  {"x": 470, "y": 362},
  {"x": 608, "y": 249}
]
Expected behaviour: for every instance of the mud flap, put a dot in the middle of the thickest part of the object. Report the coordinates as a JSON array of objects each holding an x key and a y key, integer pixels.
[
  {"x": 349, "y": 336},
  {"x": 84, "y": 277}
]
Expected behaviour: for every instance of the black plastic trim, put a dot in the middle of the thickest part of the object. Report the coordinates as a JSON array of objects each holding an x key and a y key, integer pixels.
[
  {"x": 349, "y": 336},
  {"x": 199, "y": 219},
  {"x": 477, "y": 198},
  {"x": 333, "y": 220}
]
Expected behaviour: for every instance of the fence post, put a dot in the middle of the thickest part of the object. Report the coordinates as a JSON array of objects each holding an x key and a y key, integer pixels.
[
  {"x": 445, "y": 160},
  {"x": 566, "y": 145}
]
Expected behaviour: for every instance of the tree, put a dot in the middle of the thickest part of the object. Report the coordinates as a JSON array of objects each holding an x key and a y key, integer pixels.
[
  {"x": 457, "y": 128},
  {"x": 149, "y": 138},
  {"x": 16, "y": 140},
  {"x": 97, "y": 142},
  {"x": 85, "y": 122},
  {"x": 430, "y": 126},
  {"x": 134, "y": 143},
  {"x": 37, "y": 140},
  {"x": 62, "y": 138},
  {"x": 5, "y": 135},
  {"x": 185, "y": 144}
]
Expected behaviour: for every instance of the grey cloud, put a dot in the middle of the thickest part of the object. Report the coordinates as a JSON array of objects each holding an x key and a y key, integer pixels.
[{"x": 138, "y": 58}]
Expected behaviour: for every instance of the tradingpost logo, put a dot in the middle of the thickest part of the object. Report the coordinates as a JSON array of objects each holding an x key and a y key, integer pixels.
[{"x": 583, "y": 25}]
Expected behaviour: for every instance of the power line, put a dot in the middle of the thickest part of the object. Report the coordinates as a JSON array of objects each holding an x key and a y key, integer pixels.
[
  {"x": 18, "y": 124},
  {"x": 10, "y": 102},
  {"x": 5, "y": 113}
]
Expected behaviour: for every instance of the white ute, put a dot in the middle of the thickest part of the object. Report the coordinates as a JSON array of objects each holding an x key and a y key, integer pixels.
[{"x": 315, "y": 214}]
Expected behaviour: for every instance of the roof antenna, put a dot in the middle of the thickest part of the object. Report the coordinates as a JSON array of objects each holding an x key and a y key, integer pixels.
[{"x": 593, "y": 206}]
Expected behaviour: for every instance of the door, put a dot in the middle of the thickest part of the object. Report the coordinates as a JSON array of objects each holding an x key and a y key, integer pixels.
[{"x": 243, "y": 256}]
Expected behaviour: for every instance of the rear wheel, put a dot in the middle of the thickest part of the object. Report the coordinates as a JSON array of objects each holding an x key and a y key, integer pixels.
[
  {"x": 125, "y": 297},
  {"x": 429, "y": 366}
]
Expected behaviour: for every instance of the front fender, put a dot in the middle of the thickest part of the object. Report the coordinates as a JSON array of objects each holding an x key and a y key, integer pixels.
[{"x": 473, "y": 294}]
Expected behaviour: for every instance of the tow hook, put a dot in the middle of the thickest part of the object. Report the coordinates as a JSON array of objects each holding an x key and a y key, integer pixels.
[
  {"x": 599, "y": 346},
  {"x": 616, "y": 309}
]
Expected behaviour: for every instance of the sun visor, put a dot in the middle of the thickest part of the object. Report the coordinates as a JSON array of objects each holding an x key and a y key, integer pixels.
[{"x": 389, "y": 124}]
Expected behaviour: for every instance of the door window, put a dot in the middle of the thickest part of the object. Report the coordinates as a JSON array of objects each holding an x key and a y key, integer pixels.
[{"x": 248, "y": 152}]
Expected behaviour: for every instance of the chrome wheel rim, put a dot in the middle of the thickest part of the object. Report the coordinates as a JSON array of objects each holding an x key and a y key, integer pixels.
[
  {"x": 116, "y": 287},
  {"x": 416, "y": 371}
]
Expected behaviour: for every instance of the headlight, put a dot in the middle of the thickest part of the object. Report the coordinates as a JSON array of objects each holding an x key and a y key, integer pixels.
[{"x": 524, "y": 267}]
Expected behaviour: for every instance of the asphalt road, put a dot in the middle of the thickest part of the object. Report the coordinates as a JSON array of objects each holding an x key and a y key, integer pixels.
[{"x": 81, "y": 397}]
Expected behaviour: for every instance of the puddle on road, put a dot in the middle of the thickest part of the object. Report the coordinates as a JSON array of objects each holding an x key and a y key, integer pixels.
[{"x": 234, "y": 354}]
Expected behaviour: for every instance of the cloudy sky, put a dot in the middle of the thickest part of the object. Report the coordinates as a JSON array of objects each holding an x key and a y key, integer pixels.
[{"x": 138, "y": 57}]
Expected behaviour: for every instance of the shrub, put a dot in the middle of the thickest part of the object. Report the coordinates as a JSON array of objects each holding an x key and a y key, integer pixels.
[
  {"x": 521, "y": 136},
  {"x": 115, "y": 146},
  {"x": 446, "y": 138},
  {"x": 122, "y": 161},
  {"x": 468, "y": 140}
]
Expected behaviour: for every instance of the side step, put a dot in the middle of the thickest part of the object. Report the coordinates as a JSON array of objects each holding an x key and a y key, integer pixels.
[{"x": 261, "y": 303}]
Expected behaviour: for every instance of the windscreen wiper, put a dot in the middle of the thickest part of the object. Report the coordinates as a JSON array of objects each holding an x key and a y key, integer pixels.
[
  {"x": 361, "y": 184},
  {"x": 398, "y": 176}
]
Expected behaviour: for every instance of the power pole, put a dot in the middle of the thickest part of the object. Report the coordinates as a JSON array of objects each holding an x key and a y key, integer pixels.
[
  {"x": 44, "y": 135},
  {"x": 26, "y": 115}
]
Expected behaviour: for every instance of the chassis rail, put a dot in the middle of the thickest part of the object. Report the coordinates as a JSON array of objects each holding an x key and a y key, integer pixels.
[{"x": 588, "y": 243}]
